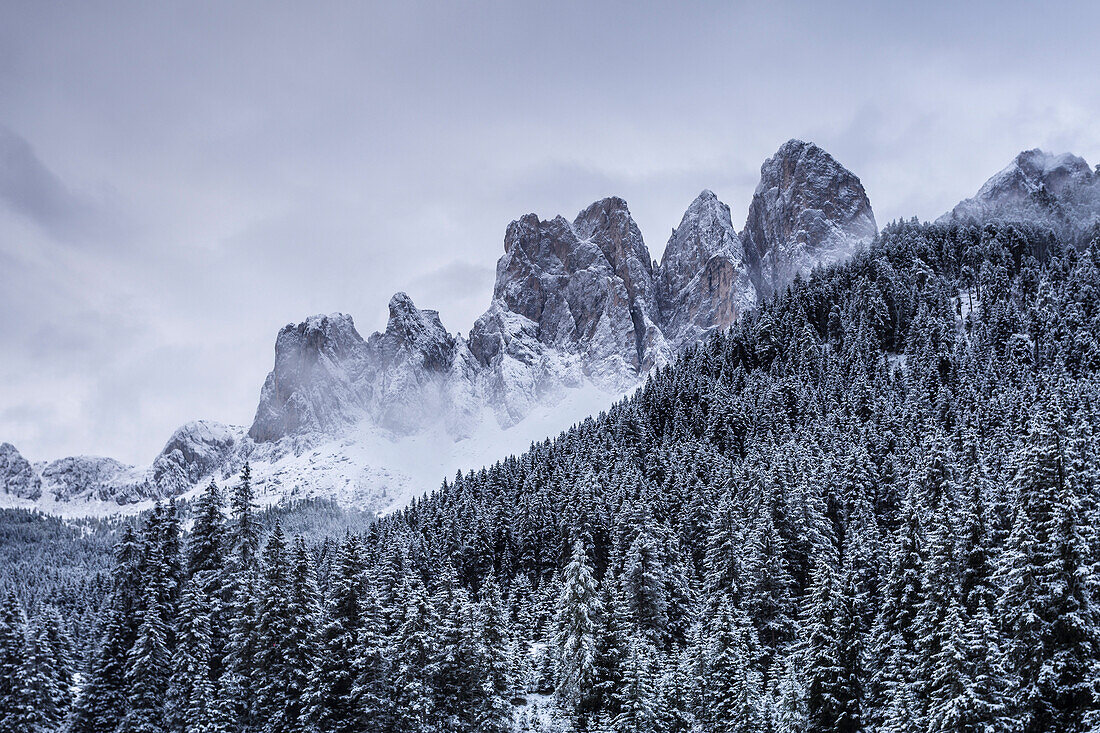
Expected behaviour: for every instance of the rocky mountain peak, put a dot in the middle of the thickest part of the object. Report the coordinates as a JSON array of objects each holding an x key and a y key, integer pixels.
[
  {"x": 312, "y": 385},
  {"x": 703, "y": 281},
  {"x": 807, "y": 210},
  {"x": 608, "y": 224},
  {"x": 579, "y": 308},
  {"x": 196, "y": 449},
  {"x": 17, "y": 476},
  {"x": 417, "y": 331},
  {"x": 588, "y": 288},
  {"x": 1037, "y": 163},
  {"x": 1060, "y": 191}
]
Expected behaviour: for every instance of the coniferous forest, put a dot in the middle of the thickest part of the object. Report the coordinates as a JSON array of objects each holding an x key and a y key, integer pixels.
[{"x": 870, "y": 505}]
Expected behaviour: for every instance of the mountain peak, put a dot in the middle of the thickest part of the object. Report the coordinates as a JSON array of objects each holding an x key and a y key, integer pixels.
[
  {"x": 703, "y": 281},
  {"x": 598, "y": 212},
  {"x": 577, "y": 303},
  {"x": 705, "y": 200},
  {"x": 1056, "y": 190},
  {"x": 807, "y": 210},
  {"x": 417, "y": 330},
  {"x": 587, "y": 286},
  {"x": 17, "y": 476},
  {"x": 795, "y": 147},
  {"x": 1039, "y": 162},
  {"x": 400, "y": 302},
  {"x": 311, "y": 386}
]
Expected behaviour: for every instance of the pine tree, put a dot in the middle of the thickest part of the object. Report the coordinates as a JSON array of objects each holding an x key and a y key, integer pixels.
[
  {"x": 276, "y": 705},
  {"x": 415, "y": 659},
  {"x": 1073, "y": 636},
  {"x": 192, "y": 698},
  {"x": 17, "y": 703},
  {"x": 638, "y": 697},
  {"x": 147, "y": 672},
  {"x": 732, "y": 684},
  {"x": 205, "y": 545},
  {"x": 834, "y": 675},
  {"x": 301, "y": 644},
  {"x": 47, "y": 673},
  {"x": 769, "y": 602},
  {"x": 789, "y": 713},
  {"x": 101, "y": 704},
  {"x": 644, "y": 581},
  {"x": 242, "y": 594},
  {"x": 495, "y": 660},
  {"x": 1045, "y": 606},
  {"x": 575, "y": 634},
  {"x": 334, "y": 705},
  {"x": 612, "y": 636},
  {"x": 964, "y": 692}
]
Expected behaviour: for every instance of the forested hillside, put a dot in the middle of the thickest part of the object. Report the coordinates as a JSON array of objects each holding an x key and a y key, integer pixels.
[{"x": 871, "y": 505}]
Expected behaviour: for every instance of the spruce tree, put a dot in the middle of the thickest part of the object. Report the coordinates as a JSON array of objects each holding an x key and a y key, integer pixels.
[
  {"x": 575, "y": 634},
  {"x": 276, "y": 705},
  {"x": 147, "y": 671},
  {"x": 241, "y": 594},
  {"x": 335, "y": 706},
  {"x": 192, "y": 698},
  {"x": 17, "y": 702}
]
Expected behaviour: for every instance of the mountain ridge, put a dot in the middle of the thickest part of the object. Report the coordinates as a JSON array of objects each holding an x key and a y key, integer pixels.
[{"x": 575, "y": 303}]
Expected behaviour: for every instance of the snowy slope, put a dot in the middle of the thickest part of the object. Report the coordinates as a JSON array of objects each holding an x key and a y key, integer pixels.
[{"x": 365, "y": 466}]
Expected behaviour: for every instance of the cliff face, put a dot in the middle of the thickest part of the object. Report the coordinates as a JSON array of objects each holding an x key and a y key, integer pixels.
[
  {"x": 588, "y": 288},
  {"x": 703, "y": 282},
  {"x": 574, "y": 302},
  {"x": 808, "y": 210},
  {"x": 314, "y": 384},
  {"x": 17, "y": 476}
]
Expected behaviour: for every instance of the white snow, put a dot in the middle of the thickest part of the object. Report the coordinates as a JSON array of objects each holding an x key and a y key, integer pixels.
[
  {"x": 372, "y": 469},
  {"x": 366, "y": 467}
]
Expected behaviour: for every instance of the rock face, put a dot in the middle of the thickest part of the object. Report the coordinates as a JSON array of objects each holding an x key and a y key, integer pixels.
[
  {"x": 588, "y": 288},
  {"x": 414, "y": 371},
  {"x": 314, "y": 385},
  {"x": 808, "y": 210},
  {"x": 1060, "y": 191},
  {"x": 577, "y": 306},
  {"x": 92, "y": 477},
  {"x": 196, "y": 450},
  {"x": 573, "y": 301},
  {"x": 17, "y": 476},
  {"x": 327, "y": 377},
  {"x": 516, "y": 370},
  {"x": 703, "y": 282}
]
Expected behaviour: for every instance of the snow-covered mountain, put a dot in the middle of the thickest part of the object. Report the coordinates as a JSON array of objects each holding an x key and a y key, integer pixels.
[
  {"x": 704, "y": 280},
  {"x": 19, "y": 477},
  {"x": 807, "y": 210},
  {"x": 1060, "y": 191},
  {"x": 580, "y": 314}
]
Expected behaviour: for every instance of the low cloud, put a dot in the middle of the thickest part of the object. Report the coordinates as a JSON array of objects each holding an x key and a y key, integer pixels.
[{"x": 164, "y": 212}]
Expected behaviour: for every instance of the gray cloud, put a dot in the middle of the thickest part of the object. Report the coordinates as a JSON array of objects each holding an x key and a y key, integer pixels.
[
  {"x": 32, "y": 190},
  {"x": 230, "y": 168}
]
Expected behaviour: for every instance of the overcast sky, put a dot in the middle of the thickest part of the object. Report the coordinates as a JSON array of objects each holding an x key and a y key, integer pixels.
[{"x": 179, "y": 180}]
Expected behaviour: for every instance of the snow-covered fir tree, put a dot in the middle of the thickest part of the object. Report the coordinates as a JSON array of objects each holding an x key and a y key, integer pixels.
[{"x": 869, "y": 505}]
